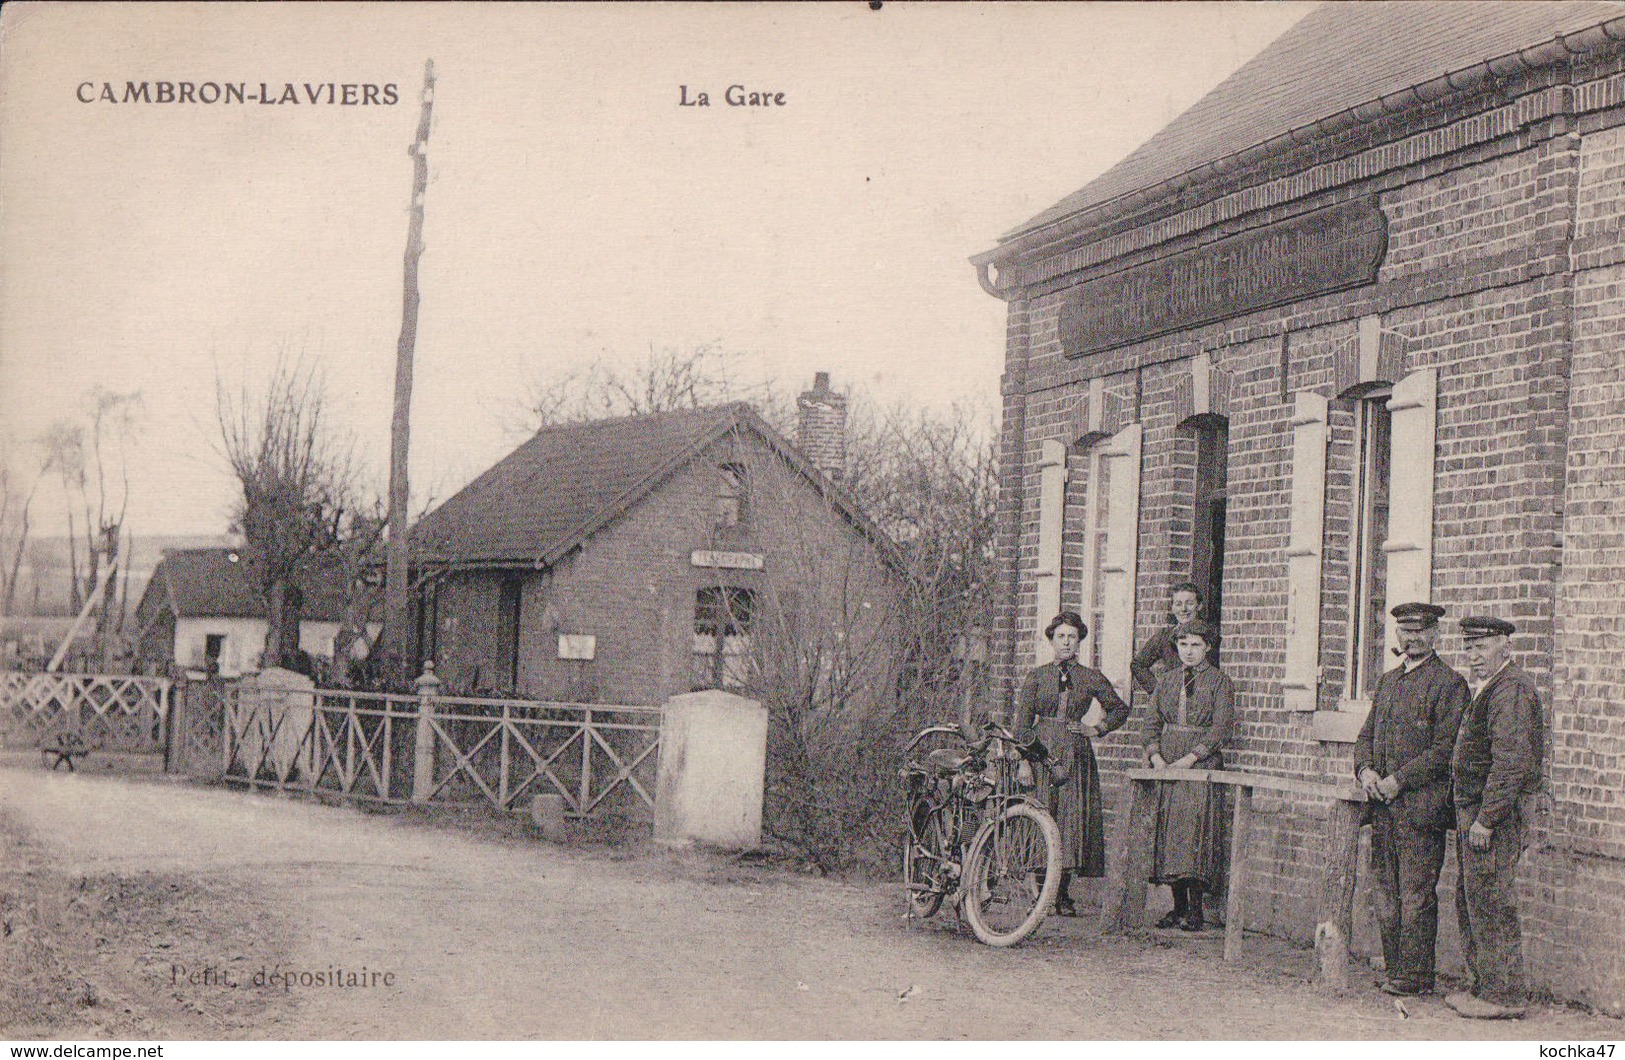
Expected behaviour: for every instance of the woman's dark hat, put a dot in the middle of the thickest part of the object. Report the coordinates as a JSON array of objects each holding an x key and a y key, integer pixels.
[{"x": 1477, "y": 627}]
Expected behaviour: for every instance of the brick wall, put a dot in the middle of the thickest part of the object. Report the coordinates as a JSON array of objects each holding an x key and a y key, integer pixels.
[
  {"x": 1503, "y": 273},
  {"x": 1578, "y": 886}
]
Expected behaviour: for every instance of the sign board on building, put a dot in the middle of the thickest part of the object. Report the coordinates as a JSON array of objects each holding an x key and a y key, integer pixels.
[
  {"x": 1315, "y": 253},
  {"x": 577, "y": 646},
  {"x": 727, "y": 560}
]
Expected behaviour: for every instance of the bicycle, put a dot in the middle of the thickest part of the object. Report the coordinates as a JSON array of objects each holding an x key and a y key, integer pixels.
[{"x": 976, "y": 837}]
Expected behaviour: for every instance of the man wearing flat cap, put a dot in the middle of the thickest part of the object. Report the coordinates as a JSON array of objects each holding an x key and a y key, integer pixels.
[
  {"x": 1402, "y": 761},
  {"x": 1497, "y": 765}
]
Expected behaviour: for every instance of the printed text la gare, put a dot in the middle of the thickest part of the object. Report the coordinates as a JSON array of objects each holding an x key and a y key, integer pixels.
[{"x": 733, "y": 96}]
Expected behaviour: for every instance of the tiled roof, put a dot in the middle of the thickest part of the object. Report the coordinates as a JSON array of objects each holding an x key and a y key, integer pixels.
[
  {"x": 213, "y": 583},
  {"x": 546, "y": 497},
  {"x": 1337, "y": 57}
]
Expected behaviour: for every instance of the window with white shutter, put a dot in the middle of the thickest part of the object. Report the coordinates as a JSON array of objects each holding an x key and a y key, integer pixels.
[
  {"x": 1305, "y": 548},
  {"x": 1412, "y": 410},
  {"x": 1051, "y": 524},
  {"x": 1121, "y": 457}
]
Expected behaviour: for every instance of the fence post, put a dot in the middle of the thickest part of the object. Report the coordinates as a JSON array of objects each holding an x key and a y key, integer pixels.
[
  {"x": 1125, "y": 909},
  {"x": 174, "y": 701},
  {"x": 1335, "y": 908},
  {"x": 428, "y": 689}
]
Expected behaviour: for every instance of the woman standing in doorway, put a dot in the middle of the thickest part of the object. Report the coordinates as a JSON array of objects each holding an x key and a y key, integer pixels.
[
  {"x": 1192, "y": 718},
  {"x": 1159, "y": 656},
  {"x": 1069, "y": 704}
]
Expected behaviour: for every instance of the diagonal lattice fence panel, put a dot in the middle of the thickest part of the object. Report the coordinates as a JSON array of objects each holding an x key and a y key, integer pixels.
[
  {"x": 599, "y": 758},
  {"x": 111, "y": 712}
]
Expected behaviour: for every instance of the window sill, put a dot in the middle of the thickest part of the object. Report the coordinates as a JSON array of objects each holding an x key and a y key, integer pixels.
[{"x": 1343, "y": 724}]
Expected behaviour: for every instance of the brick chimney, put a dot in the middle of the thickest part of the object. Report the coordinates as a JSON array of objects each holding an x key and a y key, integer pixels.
[{"x": 821, "y": 427}]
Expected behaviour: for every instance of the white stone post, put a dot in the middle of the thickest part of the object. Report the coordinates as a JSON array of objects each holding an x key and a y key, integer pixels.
[
  {"x": 713, "y": 761},
  {"x": 428, "y": 689},
  {"x": 286, "y": 701}
]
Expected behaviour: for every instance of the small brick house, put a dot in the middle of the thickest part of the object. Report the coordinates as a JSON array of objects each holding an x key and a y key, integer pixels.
[
  {"x": 1350, "y": 331},
  {"x": 627, "y": 560}
]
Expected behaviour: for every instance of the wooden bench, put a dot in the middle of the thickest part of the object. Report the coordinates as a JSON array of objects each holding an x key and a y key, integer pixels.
[
  {"x": 1334, "y": 904},
  {"x": 62, "y": 746}
]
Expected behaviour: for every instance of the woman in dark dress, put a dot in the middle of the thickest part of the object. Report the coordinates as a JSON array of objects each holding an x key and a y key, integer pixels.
[
  {"x": 1067, "y": 704},
  {"x": 1192, "y": 718},
  {"x": 1158, "y": 656}
]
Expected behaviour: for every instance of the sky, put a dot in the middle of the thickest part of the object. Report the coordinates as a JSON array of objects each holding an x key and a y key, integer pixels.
[{"x": 575, "y": 209}]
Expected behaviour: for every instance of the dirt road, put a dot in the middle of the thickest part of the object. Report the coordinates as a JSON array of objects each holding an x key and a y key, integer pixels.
[{"x": 149, "y": 909}]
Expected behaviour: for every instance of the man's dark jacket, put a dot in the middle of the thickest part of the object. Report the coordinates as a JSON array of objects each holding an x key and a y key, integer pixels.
[
  {"x": 1410, "y": 734},
  {"x": 1498, "y": 751}
]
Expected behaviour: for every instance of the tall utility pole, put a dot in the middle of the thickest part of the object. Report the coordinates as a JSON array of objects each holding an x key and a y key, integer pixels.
[{"x": 397, "y": 604}]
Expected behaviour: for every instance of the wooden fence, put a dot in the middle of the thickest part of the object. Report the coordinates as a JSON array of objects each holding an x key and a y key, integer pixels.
[
  {"x": 110, "y": 712},
  {"x": 380, "y": 748}
]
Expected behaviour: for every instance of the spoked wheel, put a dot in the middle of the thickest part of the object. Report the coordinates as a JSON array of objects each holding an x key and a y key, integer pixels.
[
  {"x": 924, "y": 867},
  {"x": 1011, "y": 874}
]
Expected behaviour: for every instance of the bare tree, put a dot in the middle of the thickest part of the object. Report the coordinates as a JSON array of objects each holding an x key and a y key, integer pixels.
[
  {"x": 19, "y": 482},
  {"x": 930, "y": 481},
  {"x": 63, "y": 444},
  {"x": 847, "y": 677},
  {"x": 88, "y": 457},
  {"x": 666, "y": 379},
  {"x": 299, "y": 481},
  {"x": 359, "y": 552},
  {"x": 113, "y": 420}
]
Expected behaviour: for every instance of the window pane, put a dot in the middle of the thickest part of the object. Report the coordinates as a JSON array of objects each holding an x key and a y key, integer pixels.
[
  {"x": 1371, "y": 532},
  {"x": 721, "y": 643},
  {"x": 1100, "y": 510},
  {"x": 730, "y": 495},
  {"x": 735, "y": 661}
]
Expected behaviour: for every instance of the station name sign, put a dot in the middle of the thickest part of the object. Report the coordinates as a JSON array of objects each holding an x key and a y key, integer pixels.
[
  {"x": 727, "y": 560},
  {"x": 1315, "y": 253}
]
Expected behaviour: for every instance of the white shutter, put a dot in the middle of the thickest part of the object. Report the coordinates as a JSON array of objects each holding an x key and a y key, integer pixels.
[
  {"x": 1304, "y": 551},
  {"x": 1410, "y": 485},
  {"x": 1122, "y": 455},
  {"x": 1051, "y": 519}
]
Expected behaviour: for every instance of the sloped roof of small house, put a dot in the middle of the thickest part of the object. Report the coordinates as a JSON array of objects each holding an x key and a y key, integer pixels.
[
  {"x": 1337, "y": 58},
  {"x": 214, "y": 583},
  {"x": 547, "y": 497}
]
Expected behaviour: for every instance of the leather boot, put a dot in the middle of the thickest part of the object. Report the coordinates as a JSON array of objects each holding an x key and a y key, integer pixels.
[
  {"x": 1193, "y": 909},
  {"x": 1063, "y": 897},
  {"x": 1177, "y": 916}
]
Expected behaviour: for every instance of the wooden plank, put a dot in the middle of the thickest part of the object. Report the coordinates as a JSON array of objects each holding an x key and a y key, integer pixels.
[
  {"x": 1235, "y": 913},
  {"x": 504, "y": 797},
  {"x": 1126, "y": 911},
  {"x": 586, "y": 761},
  {"x": 1349, "y": 792},
  {"x": 1335, "y": 913}
]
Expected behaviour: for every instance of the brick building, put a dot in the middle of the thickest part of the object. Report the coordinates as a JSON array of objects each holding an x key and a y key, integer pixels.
[
  {"x": 1350, "y": 331},
  {"x": 628, "y": 560}
]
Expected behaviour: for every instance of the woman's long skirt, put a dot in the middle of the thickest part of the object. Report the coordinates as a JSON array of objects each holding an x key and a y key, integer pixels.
[
  {"x": 1190, "y": 843},
  {"x": 1076, "y": 806}
]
